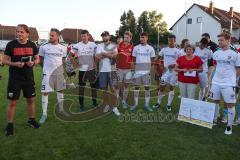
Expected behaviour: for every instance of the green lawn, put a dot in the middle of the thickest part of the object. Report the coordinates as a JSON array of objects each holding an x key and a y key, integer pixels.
[{"x": 110, "y": 137}]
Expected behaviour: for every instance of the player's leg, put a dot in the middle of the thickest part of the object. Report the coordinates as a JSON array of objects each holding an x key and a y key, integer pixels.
[
  {"x": 163, "y": 82},
  {"x": 147, "y": 82},
  {"x": 13, "y": 94},
  {"x": 137, "y": 82},
  {"x": 46, "y": 88},
  {"x": 215, "y": 95},
  {"x": 203, "y": 85},
  {"x": 113, "y": 81},
  {"x": 29, "y": 93},
  {"x": 127, "y": 77},
  {"x": 93, "y": 79},
  {"x": 81, "y": 86},
  {"x": 229, "y": 97},
  {"x": 103, "y": 85},
  {"x": 172, "y": 82}
]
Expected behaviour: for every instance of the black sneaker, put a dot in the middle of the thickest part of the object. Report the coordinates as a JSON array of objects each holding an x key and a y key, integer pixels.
[
  {"x": 81, "y": 109},
  {"x": 169, "y": 108},
  {"x": 155, "y": 106},
  {"x": 33, "y": 123},
  {"x": 95, "y": 104},
  {"x": 9, "y": 129}
]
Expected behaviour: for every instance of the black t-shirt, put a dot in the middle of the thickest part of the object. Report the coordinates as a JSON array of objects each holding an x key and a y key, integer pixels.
[
  {"x": 16, "y": 51},
  {"x": 213, "y": 46}
]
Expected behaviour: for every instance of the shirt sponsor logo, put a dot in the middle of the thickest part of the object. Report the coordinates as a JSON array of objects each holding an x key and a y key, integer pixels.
[{"x": 22, "y": 51}]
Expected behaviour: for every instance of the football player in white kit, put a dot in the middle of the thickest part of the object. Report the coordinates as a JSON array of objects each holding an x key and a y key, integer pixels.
[
  {"x": 224, "y": 79},
  {"x": 143, "y": 55},
  {"x": 53, "y": 55},
  {"x": 170, "y": 55},
  {"x": 205, "y": 54}
]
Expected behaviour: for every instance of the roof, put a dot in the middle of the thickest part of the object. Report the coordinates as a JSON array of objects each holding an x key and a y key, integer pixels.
[
  {"x": 71, "y": 35},
  {"x": 9, "y": 33},
  {"x": 222, "y": 16}
]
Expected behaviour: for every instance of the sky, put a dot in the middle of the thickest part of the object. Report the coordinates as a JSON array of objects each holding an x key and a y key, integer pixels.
[{"x": 94, "y": 15}]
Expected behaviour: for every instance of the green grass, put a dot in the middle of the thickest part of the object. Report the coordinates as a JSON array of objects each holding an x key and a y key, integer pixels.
[{"x": 108, "y": 137}]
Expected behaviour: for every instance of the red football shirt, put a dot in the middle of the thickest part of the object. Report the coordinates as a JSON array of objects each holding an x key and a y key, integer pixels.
[
  {"x": 184, "y": 63},
  {"x": 124, "y": 57}
]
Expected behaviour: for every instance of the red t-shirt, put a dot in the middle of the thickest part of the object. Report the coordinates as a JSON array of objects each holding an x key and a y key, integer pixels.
[
  {"x": 184, "y": 63},
  {"x": 124, "y": 57},
  {"x": 238, "y": 50}
]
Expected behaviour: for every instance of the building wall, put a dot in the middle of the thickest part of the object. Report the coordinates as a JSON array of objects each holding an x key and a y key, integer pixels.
[
  {"x": 194, "y": 31},
  {"x": 236, "y": 33}
]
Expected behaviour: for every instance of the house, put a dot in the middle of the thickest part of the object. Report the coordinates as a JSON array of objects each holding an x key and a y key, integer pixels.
[
  {"x": 8, "y": 33},
  {"x": 70, "y": 35},
  {"x": 200, "y": 19}
]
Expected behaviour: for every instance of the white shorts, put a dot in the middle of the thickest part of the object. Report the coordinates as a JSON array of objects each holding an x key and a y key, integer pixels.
[
  {"x": 227, "y": 92},
  {"x": 51, "y": 83},
  {"x": 169, "y": 77},
  {"x": 203, "y": 78}
]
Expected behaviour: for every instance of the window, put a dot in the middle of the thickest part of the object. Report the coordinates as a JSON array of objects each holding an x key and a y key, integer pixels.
[
  {"x": 189, "y": 21},
  {"x": 199, "y": 19}
]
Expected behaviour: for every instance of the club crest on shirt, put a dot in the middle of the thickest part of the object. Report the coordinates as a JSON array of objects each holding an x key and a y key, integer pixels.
[{"x": 229, "y": 57}]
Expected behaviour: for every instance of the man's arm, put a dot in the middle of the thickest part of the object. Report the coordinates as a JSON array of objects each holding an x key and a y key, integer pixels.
[{"x": 7, "y": 61}]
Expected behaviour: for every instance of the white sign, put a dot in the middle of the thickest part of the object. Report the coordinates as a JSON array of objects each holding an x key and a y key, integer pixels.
[
  {"x": 190, "y": 74},
  {"x": 197, "y": 112}
]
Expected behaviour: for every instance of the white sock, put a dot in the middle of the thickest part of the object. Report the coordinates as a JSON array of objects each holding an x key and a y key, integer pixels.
[
  {"x": 60, "y": 99},
  {"x": 125, "y": 94},
  {"x": 136, "y": 94},
  {"x": 160, "y": 96},
  {"x": 231, "y": 116},
  {"x": 216, "y": 112},
  {"x": 170, "y": 98},
  {"x": 147, "y": 97},
  {"x": 44, "y": 104}
]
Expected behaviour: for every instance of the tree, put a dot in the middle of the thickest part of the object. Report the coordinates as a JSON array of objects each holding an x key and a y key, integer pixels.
[{"x": 148, "y": 22}]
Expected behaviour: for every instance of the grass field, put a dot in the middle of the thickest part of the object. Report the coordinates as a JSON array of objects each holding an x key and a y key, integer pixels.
[{"x": 110, "y": 137}]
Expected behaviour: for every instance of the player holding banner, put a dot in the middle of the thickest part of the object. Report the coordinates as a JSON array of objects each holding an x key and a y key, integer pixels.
[
  {"x": 169, "y": 55},
  {"x": 53, "y": 55},
  {"x": 224, "y": 79}
]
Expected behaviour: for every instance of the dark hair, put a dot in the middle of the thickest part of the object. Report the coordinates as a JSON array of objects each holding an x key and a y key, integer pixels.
[
  {"x": 55, "y": 30},
  {"x": 85, "y": 32},
  {"x": 189, "y": 46},
  {"x": 226, "y": 35},
  {"x": 144, "y": 34},
  {"x": 25, "y": 27},
  {"x": 183, "y": 42},
  {"x": 172, "y": 36},
  {"x": 206, "y": 35},
  {"x": 204, "y": 41}
]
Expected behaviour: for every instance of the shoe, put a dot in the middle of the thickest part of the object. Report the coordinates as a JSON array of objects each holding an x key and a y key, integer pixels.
[
  {"x": 237, "y": 122},
  {"x": 116, "y": 111},
  {"x": 64, "y": 114},
  {"x": 81, "y": 108},
  {"x": 224, "y": 120},
  {"x": 9, "y": 129},
  {"x": 156, "y": 106},
  {"x": 43, "y": 119},
  {"x": 149, "y": 109},
  {"x": 33, "y": 123},
  {"x": 133, "y": 108},
  {"x": 124, "y": 105},
  {"x": 169, "y": 108},
  {"x": 106, "y": 109},
  {"x": 95, "y": 105},
  {"x": 228, "y": 130}
]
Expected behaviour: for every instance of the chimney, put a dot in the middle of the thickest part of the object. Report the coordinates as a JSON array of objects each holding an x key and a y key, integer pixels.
[
  {"x": 211, "y": 7},
  {"x": 231, "y": 12}
]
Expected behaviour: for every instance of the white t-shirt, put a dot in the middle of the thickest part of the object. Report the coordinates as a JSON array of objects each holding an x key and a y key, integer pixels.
[
  {"x": 143, "y": 54},
  {"x": 205, "y": 54},
  {"x": 53, "y": 55},
  {"x": 170, "y": 55},
  {"x": 105, "y": 63},
  {"x": 227, "y": 61},
  {"x": 85, "y": 55},
  {"x": 182, "y": 52}
]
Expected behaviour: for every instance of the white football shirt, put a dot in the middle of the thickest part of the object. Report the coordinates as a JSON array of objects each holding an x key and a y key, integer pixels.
[
  {"x": 53, "y": 55},
  {"x": 143, "y": 54},
  {"x": 227, "y": 61},
  {"x": 170, "y": 55},
  {"x": 205, "y": 55}
]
